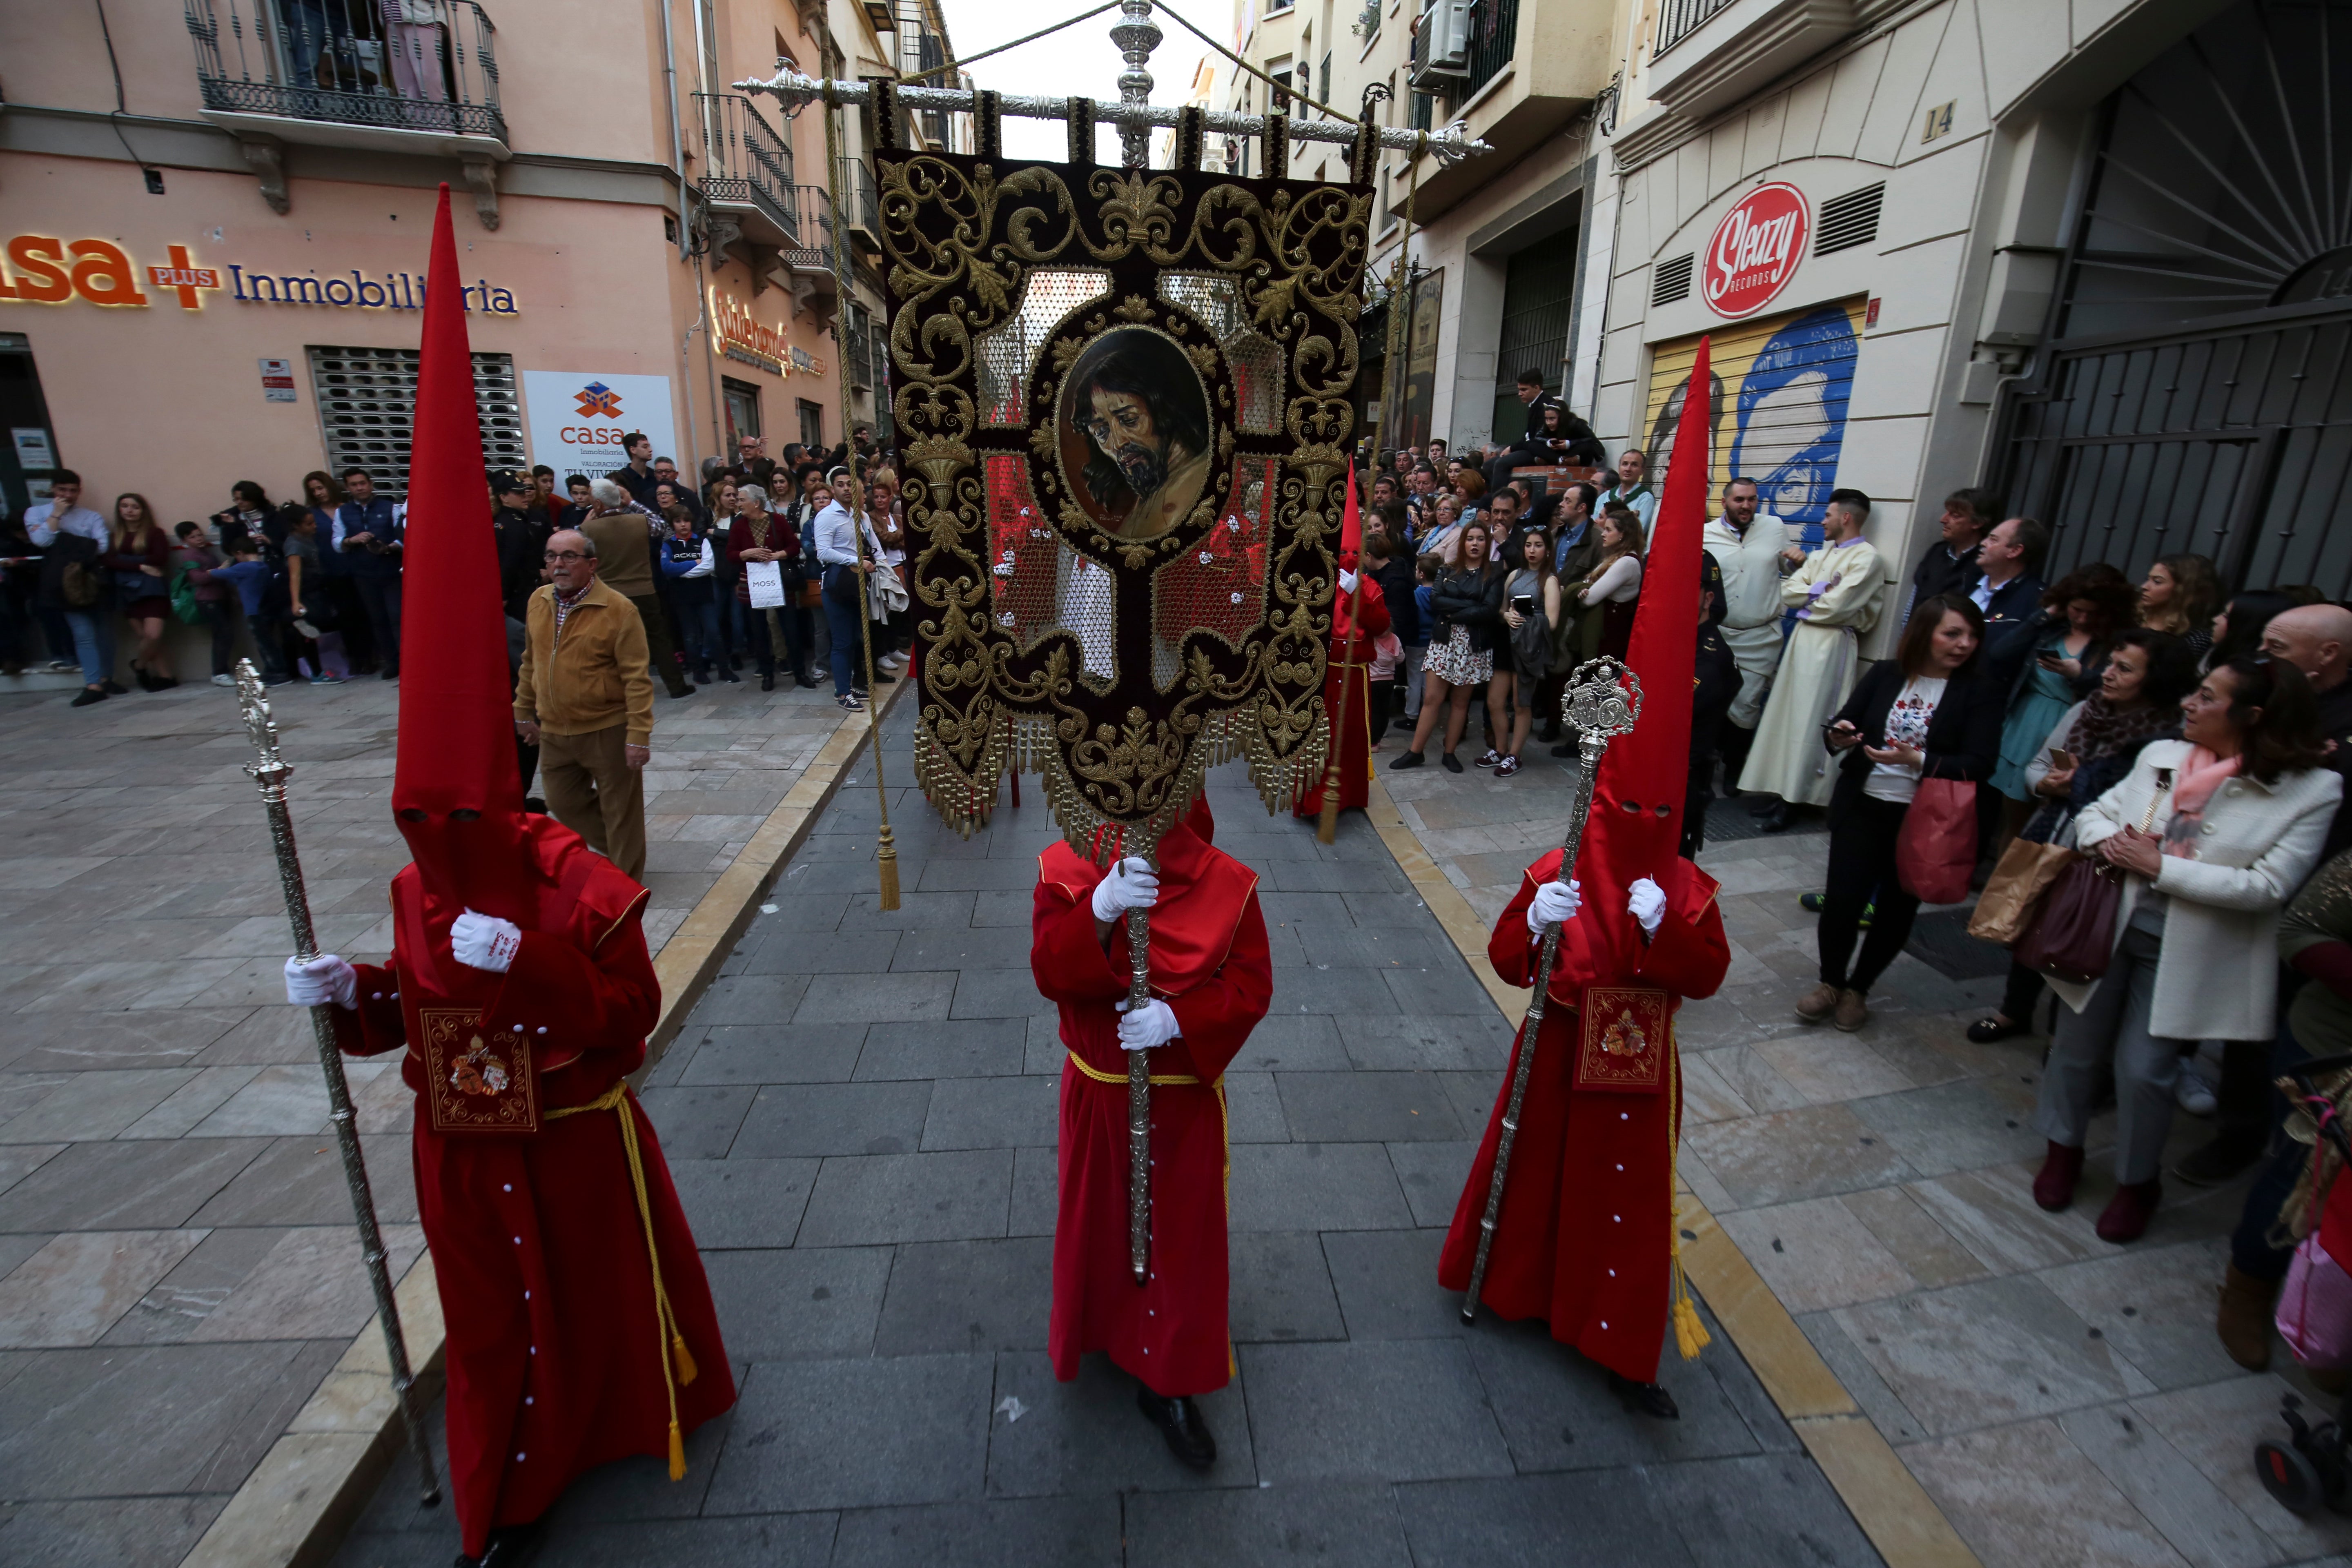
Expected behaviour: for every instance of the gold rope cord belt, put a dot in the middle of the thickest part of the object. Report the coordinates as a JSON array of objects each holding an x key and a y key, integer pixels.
[
  {"x": 1225, "y": 1112},
  {"x": 676, "y": 1363},
  {"x": 1099, "y": 1076}
]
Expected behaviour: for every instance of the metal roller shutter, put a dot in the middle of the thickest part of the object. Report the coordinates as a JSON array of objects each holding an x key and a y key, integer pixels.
[{"x": 367, "y": 401}]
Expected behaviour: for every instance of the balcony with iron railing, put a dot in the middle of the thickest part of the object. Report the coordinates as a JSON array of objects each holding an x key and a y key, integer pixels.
[
  {"x": 1707, "y": 54},
  {"x": 1517, "y": 72},
  {"x": 1678, "y": 19},
  {"x": 335, "y": 73},
  {"x": 747, "y": 185},
  {"x": 861, "y": 206}
]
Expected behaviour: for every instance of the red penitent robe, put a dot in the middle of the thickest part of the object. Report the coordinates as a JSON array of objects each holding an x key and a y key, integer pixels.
[
  {"x": 553, "y": 1352},
  {"x": 1360, "y": 629},
  {"x": 1585, "y": 1237},
  {"x": 1210, "y": 963}
]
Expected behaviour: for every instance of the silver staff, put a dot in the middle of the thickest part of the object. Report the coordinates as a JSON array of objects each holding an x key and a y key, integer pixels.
[
  {"x": 1139, "y": 1102},
  {"x": 269, "y": 772},
  {"x": 1603, "y": 701}
]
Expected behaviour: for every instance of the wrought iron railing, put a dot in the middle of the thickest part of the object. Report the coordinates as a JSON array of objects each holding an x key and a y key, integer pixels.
[
  {"x": 861, "y": 207},
  {"x": 1494, "y": 39},
  {"x": 745, "y": 164},
  {"x": 1678, "y": 19},
  {"x": 813, "y": 227},
  {"x": 339, "y": 61}
]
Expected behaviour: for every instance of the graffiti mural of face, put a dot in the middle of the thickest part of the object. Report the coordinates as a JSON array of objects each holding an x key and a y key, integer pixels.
[{"x": 1121, "y": 429}]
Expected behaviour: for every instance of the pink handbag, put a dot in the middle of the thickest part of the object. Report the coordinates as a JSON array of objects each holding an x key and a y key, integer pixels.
[
  {"x": 1935, "y": 848},
  {"x": 2315, "y": 1308}
]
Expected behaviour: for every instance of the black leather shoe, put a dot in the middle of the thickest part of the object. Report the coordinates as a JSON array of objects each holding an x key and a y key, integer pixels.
[
  {"x": 1990, "y": 1027},
  {"x": 1179, "y": 1420},
  {"x": 1777, "y": 820},
  {"x": 510, "y": 1548},
  {"x": 1763, "y": 804},
  {"x": 767, "y": 682},
  {"x": 1409, "y": 760},
  {"x": 1649, "y": 1398}
]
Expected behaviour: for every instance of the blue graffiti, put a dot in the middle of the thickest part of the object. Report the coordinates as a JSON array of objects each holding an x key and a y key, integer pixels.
[{"x": 1792, "y": 416}]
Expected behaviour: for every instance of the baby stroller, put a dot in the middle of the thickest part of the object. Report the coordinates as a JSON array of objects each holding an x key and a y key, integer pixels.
[{"x": 2314, "y": 1466}]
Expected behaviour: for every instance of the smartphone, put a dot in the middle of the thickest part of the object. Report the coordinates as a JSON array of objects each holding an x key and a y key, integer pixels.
[
  {"x": 2061, "y": 759},
  {"x": 1524, "y": 603}
]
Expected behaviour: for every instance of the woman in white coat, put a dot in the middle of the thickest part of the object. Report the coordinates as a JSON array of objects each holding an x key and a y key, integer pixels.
[{"x": 2213, "y": 832}]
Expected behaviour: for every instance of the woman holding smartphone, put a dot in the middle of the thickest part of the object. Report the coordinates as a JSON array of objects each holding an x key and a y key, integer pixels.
[
  {"x": 1467, "y": 612},
  {"x": 1532, "y": 593},
  {"x": 1927, "y": 713}
]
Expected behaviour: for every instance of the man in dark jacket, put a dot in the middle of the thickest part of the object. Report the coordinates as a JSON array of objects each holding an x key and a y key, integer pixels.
[
  {"x": 520, "y": 527},
  {"x": 367, "y": 550},
  {"x": 636, "y": 476},
  {"x": 1950, "y": 565},
  {"x": 2008, "y": 591},
  {"x": 1715, "y": 682}
]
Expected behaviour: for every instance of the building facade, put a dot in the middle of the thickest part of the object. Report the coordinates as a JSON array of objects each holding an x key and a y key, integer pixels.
[
  {"x": 2084, "y": 256},
  {"x": 212, "y": 247}
]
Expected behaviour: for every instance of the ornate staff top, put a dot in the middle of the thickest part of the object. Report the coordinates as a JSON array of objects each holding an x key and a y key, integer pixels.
[
  {"x": 1605, "y": 699},
  {"x": 260, "y": 726},
  {"x": 793, "y": 89}
]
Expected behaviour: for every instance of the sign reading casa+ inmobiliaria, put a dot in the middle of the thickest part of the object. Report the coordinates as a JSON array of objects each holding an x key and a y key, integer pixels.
[{"x": 576, "y": 421}]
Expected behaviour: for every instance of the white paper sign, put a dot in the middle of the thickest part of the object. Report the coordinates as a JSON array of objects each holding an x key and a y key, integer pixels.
[
  {"x": 576, "y": 421},
  {"x": 277, "y": 381},
  {"x": 33, "y": 449},
  {"x": 765, "y": 580}
]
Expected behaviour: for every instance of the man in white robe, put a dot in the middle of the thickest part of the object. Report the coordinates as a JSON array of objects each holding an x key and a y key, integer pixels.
[
  {"x": 1748, "y": 544},
  {"x": 1838, "y": 592}
]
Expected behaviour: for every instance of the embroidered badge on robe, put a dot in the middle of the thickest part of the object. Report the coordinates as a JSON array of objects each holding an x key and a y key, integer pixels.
[
  {"x": 1622, "y": 1043},
  {"x": 480, "y": 1079}
]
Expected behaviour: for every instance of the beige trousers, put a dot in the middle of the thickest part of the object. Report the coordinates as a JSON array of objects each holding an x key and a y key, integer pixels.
[{"x": 591, "y": 790}]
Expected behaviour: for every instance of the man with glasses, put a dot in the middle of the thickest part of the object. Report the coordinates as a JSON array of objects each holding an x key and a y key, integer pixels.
[{"x": 584, "y": 698}]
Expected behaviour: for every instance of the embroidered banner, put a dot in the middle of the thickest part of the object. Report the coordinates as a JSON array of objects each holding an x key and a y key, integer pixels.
[
  {"x": 1622, "y": 1039},
  {"x": 479, "y": 1080},
  {"x": 1124, "y": 398}
]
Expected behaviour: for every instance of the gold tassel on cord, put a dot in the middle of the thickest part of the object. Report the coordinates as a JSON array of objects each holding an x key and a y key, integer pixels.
[
  {"x": 887, "y": 859},
  {"x": 683, "y": 1358},
  {"x": 676, "y": 1452}
]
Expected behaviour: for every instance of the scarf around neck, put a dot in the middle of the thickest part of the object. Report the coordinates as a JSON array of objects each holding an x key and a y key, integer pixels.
[{"x": 2201, "y": 774}]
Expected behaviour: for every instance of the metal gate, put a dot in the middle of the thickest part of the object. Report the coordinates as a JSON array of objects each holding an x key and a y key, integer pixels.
[{"x": 367, "y": 405}]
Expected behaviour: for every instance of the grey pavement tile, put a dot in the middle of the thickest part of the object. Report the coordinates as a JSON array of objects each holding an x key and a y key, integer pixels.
[
  {"x": 1475, "y": 1096},
  {"x": 1382, "y": 908},
  {"x": 856, "y": 1434},
  {"x": 974, "y": 876},
  {"x": 769, "y": 1053},
  {"x": 201, "y": 1283},
  {"x": 93, "y": 1105},
  {"x": 1003, "y": 907},
  {"x": 1253, "y": 1108},
  {"x": 994, "y": 1113},
  {"x": 1812, "y": 1152},
  {"x": 1303, "y": 910},
  {"x": 638, "y": 1487},
  {"x": 1449, "y": 991},
  {"x": 1366, "y": 875},
  {"x": 1313, "y": 1186},
  {"x": 1015, "y": 1532},
  {"x": 1337, "y": 992},
  {"x": 749, "y": 999},
  {"x": 810, "y": 1119},
  {"x": 909, "y": 1197},
  {"x": 1328, "y": 1522},
  {"x": 1088, "y": 1434},
  {"x": 117, "y": 1533},
  {"x": 73, "y": 1289},
  {"x": 1420, "y": 946},
  {"x": 1557, "y": 1411},
  {"x": 956, "y": 1296},
  {"x": 798, "y": 909},
  {"x": 1036, "y": 1195},
  {"x": 1293, "y": 1043},
  {"x": 76, "y": 1041},
  {"x": 743, "y": 1202},
  {"x": 822, "y": 954},
  {"x": 1282, "y": 950},
  {"x": 700, "y": 1121},
  {"x": 998, "y": 993},
  {"x": 876, "y": 999},
  {"x": 299, "y": 1180},
  {"x": 1398, "y": 1410},
  {"x": 1045, "y": 1051},
  {"x": 790, "y": 1304},
  {"x": 918, "y": 910},
  {"x": 2196, "y": 1517},
  {"x": 18, "y": 1161},
  {"x": 154, "y": 1420},
  {"x": 125, "y": 1186},
  {"x": 1584, "y": 1520},
  {"x": 973, "y": 947},
  {"x": 1463, "y": 1042},
  {"x": 1960, "y": 1126},
  {"x": 855, "y": 878},
  {"x": 1760, "y": 1513},
  {"x": 1433, "y": 1175},
  {"x": 976, "y": 1047},
  {"x": 768, "y": 1541},
  {"x": 1387, "y": 1285},
  {"x": 1280, "y": 1288},
  {"x": 1367, "y": 1108}
]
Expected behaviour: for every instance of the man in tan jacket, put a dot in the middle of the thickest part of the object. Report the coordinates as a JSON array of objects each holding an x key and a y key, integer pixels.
[
  {"x": 585, "y": 700},
  {"x": 625, "y": 534}
]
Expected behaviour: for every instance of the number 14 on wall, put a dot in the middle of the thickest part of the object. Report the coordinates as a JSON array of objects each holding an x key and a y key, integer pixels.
[{"x": 1939, "y": 122}]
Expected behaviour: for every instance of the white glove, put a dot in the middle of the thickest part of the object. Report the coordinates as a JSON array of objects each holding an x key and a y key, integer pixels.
[
  {"x": 1346, "y": 582},
  {"x": 484, "y": 941},
  {"x": 1646, "y": 903},
  {"x": 324, "y": 979},
  {"x": 1153, "y": 1024},
  {"x": 1555, "y": 903},
  {"x": 1131, "y": 885}
]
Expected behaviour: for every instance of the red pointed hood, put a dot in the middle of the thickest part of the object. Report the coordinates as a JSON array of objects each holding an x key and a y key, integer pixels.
[
  {"x": 1635, "y": 828},
  {"x": 455, "y": 753}
]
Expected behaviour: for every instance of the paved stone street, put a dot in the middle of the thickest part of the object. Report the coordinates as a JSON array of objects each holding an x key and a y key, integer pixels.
[
  {"x": 2063, "y": 1400},
  {"x": 861, "y": 1117},
  {"x": 178, "y": 1269}
]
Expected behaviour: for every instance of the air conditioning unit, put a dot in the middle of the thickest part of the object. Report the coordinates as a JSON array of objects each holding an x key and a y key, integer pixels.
[{"x": 1441, "y": 44}]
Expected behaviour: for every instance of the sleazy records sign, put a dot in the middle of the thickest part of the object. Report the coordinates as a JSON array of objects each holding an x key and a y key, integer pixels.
[{"x": 1124, "y": 400}]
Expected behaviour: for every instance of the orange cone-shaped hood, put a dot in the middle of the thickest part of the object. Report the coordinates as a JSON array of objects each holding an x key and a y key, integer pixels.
[{"x": 456, "y": 791}]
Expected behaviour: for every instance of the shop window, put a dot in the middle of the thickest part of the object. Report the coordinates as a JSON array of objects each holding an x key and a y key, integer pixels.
[
  {"x": 743, "y": 411},
  {"x": 29, "y": 456},
  {"x": 367, "y": 404},
  {"x": 812, "y": 426}
]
